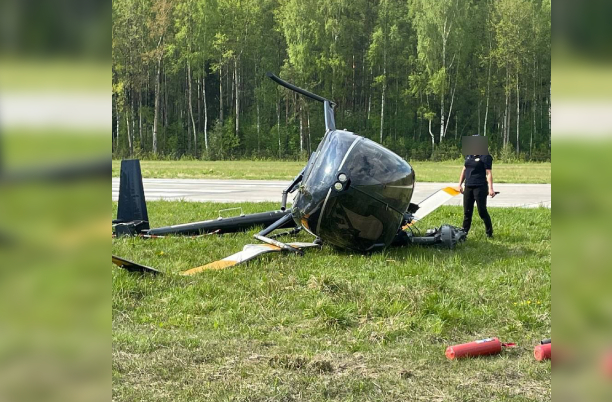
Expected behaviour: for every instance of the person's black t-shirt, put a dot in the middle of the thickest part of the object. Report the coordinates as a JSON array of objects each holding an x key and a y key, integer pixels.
[{"x": 476, "y": 169}]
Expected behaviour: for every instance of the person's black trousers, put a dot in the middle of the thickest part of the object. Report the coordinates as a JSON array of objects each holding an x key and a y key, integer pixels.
[{"x": 478, "y": 194}]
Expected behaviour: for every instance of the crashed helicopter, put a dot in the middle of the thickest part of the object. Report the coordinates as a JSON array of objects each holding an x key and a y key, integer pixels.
[{"x": 353, "y": 194}]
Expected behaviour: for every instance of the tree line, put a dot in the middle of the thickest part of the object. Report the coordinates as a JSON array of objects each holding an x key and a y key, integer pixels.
[{"x": 415, "y": 75}]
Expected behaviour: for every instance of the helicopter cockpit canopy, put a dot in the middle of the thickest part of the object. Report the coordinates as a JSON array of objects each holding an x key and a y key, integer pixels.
[{"x": 354, "y": 192}]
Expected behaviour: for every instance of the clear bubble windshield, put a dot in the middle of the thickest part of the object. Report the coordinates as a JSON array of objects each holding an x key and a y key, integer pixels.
[
  {"x": 321, "y": 176},
  {"x": 354, "y": 192},
  {"x": 380, "y": 173}
]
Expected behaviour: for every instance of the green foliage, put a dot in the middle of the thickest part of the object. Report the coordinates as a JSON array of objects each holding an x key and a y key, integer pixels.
[
  {"x": 392, "y": 66},
  {"x": 506, "y": 154},
  {"x": 445, "y": 151},
  {"x": 223, "y": 141},
  {"x": 541, "y": 153}
]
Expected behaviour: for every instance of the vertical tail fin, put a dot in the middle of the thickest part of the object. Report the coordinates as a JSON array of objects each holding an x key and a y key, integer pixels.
[{"x": 132, "y": 205}]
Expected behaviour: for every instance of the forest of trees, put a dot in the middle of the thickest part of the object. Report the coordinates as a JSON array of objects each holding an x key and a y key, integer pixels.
[{"x": 415, "y": 75}]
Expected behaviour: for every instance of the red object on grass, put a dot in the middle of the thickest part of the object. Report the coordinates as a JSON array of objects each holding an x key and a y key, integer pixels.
[
  {"x": 483, "y": 347},
  {"x": 606, "y": 364},
  {"x": 543, "y": 352}
]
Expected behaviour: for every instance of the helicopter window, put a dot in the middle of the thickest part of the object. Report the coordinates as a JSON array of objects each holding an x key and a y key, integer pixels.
[
  {"x": 369, "y": 209},
  {"x": 381, "y": 173},
  {"x": 356, "y": 221}
]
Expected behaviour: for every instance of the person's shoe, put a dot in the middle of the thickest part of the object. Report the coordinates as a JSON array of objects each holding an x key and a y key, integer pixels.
[{"x": 490, "y": 235}]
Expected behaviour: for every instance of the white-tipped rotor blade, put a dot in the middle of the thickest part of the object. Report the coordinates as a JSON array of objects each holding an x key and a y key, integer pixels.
[
  {"x": 249, "y": 252},
  {"x": 434, "y": 201}
]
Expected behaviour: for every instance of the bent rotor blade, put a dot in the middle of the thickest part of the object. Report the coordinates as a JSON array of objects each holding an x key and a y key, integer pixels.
[
  {"x": 133, "y": 267},
  {"x": 434, "y": 201},
  {"x": 249, "y": 252}
]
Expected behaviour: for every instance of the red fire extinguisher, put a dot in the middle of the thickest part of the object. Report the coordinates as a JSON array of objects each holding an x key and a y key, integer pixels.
[
  {"x": 543, "y": 351},
  {"x": 483, "y": 347},
  {"x": 606, "y": 364}
]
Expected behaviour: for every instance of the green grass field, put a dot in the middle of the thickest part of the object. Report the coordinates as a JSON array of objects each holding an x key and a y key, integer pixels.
[
  {"x": 333, "y": 325},
  {"x": 33, "y": 147},
  {"x": 425, "y": 171},
  {"x": 53, "y": 75}
]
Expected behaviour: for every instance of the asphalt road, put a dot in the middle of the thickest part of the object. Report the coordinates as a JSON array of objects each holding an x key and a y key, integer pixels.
[{"x": 511, "y": 195}]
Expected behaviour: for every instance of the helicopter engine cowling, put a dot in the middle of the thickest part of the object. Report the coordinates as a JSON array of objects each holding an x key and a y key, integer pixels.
[{"x": 354, "y": 192}]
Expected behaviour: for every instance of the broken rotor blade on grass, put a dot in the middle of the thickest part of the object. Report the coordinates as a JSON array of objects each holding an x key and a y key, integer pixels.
[
  {"x": 434, "y": 201},
  {"x": 132, "y": 266},
  {"x": 249, "y": 252}
]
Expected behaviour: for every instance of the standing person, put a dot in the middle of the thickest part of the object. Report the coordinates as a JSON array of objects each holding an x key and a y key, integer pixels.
[{"x": 478, "y": 178}]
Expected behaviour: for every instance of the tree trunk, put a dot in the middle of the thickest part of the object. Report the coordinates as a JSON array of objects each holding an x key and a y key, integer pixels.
[
  {"x": 127, "y": 127},
  {"x": 433, "y": 139},
  {"x": 396, "y": 107},
  {"x": 185, "y": 110},
  {"x": 505, "y": 122},
  {"x": 199, "y": 107},
  {"x": 258, "y": 128},
  {"x": 280, "y": 147},
  {"x": 384, "y": 89},
  {"x": 166, "y": 108},
  {"x": 533, "y": 107},
  {"x": 237, "y": 85},
  {"x": 140, "y": 120},
  {"x": 286, "y": 113},
  {"x": 484, "y": 128},
  {"x": 382, "y": 109},
  {"x": 369, "y": 108},
  {"x": 369, "y": 100},
  {"x": 205, "y": 112},
  {"x": 541, "y": 108},
  {"x": 509, "y": 119},
  {"x": 117, "y": 120},
  {"x": 353, "y": 93},
  {"x": 488, "y": 83},
  {"x": 362, "y": 93},
  {"x": 506, "y": 117},
  {"x": 193, "y": 126},
  {"x": 133, "y": 117},
  {"x": 189, "y": 143},
  {"x": 229, "y": 79},
  {"x": 301, "y": 116},
  {"x": 479, "y": 104},
  {"x": 256, "y": 94},
  {"x": 456, "y": 125},
  {"x": 450, "y": 109},
  {"x": 221, "y": 94},
  {"x": 156, "y": 114},
  {"x": 442, "y": 120},
  {"x": 308, "y": 127},
  {"x": 421, "y": 117},
  {"x": 518, "y": 115}
]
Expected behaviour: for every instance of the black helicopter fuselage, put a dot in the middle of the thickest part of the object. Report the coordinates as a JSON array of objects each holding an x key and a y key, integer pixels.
[{"x": 354, "y": 192}]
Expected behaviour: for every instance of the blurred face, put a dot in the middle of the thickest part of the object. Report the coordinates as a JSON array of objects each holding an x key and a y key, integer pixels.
[{"x": 474, "y": 145}]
